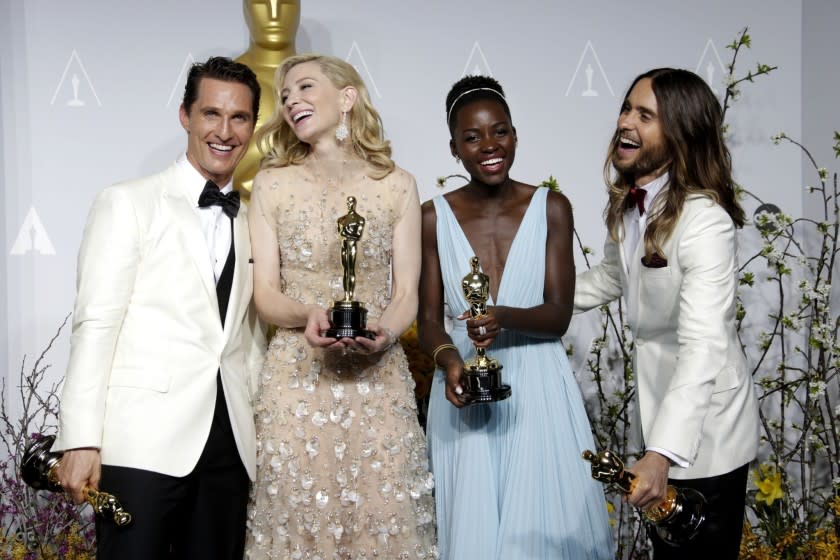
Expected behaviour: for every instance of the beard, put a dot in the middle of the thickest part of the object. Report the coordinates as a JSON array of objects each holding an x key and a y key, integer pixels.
[{"x": 647, "y": 161}]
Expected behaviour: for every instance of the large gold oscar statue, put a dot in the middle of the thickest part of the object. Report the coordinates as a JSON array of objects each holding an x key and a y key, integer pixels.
[{"x": 273, "y": 25}]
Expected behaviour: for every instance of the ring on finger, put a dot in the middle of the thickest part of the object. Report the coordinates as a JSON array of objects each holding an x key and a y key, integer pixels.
[{"x": 482, "y": 330}]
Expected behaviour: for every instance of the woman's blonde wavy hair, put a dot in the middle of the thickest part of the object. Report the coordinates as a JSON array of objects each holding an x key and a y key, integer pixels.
[
  {"x": 280, "y": 147},
  {"x": 692, "y": 123}
]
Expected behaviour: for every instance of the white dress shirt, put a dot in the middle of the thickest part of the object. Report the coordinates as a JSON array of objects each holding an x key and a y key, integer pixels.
[
  {"x": 634, "y": 224},
  {"x": 214, "y": 223}
]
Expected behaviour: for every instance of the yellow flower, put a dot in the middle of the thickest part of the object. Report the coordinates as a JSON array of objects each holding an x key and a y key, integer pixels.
[
  {"x": 610, "y": 511},
  {"x": 18, "y": 551},
  {"x": 786, "y": 539},
  {"x": 768, "y": 480},
  {"x": 835, "y": 506},
  {"x": 751, "y": 546},
  {"x": 823, "y": 544}
]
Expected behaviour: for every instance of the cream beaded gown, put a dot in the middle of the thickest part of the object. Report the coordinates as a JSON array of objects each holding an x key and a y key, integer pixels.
[{"x": 341, "y": 459}]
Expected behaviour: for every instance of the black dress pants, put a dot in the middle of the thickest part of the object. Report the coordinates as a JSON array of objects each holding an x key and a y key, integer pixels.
[
  {"x": 199, "y": 516},
  {"x": 720, "y": 534}
]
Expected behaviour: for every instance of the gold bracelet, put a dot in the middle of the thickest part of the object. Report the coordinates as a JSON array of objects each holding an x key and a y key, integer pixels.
[{"x": 440, "y": 348}]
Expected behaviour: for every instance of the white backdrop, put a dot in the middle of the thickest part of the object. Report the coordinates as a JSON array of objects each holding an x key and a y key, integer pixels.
[{"x": 89, "y": 92}]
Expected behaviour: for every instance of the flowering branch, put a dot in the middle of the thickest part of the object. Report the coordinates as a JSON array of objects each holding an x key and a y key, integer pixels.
[
  {"x": 36, "y": 525},
  {"x": 732, "y": 90}
]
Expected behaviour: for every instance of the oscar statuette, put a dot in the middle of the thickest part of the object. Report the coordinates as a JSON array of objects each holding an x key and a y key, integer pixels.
[
  {"x": 677, "y": 518},
  {"x": 272, "y": 27},
  {"x": 482, "y": 380},
  {"x": 38, "y": 470},
  {"x": 348, "y": 318}
]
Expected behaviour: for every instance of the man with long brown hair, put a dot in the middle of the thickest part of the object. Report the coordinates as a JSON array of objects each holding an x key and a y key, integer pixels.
[{"x": 671, "y": 252}]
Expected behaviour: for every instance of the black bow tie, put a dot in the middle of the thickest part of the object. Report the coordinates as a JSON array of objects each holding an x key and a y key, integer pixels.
[
  {"x": 636, "y": 197},
  {"x": 211, "y": 195}
]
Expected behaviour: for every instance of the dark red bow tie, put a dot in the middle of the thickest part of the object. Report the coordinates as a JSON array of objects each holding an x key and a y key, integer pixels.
[{"x": 636, "y": 197}]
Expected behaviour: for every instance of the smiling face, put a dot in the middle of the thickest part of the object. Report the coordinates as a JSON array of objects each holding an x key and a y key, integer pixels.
[
  {"x": 219, "y": 126},
  {"x": 640, "y": 149},
  {"x": 485, "y": 140},
  {"x": 312, "y": 104}
]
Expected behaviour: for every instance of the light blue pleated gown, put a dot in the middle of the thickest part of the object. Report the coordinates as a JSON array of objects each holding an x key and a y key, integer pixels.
[{"x": 510, "y": 483}]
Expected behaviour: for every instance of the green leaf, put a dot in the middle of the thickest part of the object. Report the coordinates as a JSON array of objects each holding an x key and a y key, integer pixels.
[
  {"x": 746, "y": 40},
  {"x": 551, "y": 183}
]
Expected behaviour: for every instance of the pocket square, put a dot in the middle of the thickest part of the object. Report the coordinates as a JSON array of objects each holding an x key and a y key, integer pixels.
[{"x": 654, "y": 261}]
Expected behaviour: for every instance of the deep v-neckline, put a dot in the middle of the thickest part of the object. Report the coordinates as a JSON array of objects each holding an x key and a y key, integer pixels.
[{"x": 494, "y": 299}]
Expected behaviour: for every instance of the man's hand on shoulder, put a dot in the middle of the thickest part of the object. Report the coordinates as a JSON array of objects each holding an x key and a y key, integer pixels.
[
  {"x": 79, "y": 469},
  {"x": 651, "y": 480}
]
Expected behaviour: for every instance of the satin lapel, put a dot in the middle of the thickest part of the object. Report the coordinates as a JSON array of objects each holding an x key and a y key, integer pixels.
[
  {"x": 624, "y": 266},
  {"x": 633, "y": 271},
  {"x": 189, "y": 224},
  {"x": 240, "y": 293}
]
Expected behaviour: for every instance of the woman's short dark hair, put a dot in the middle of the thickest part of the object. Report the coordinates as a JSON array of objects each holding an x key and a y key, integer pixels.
[{"x": 472, "y": 88}]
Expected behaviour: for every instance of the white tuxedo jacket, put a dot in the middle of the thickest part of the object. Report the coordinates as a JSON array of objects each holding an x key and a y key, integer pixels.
[
  {"x": 147, "y": 340},
  {"x": 695, "y": 396}
]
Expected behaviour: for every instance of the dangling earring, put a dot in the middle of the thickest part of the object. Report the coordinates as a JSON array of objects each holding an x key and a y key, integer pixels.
[
  {"x": 457, "y": 160},
  {"x": 341, "y": 131}
]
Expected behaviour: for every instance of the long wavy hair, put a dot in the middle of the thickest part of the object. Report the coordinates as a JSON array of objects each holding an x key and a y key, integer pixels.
[
  {"x": 280, "y": 147},
  {"x": 692, "y": 124}
]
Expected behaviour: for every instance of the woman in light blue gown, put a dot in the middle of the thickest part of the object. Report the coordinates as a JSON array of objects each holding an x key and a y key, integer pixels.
[{"x": 509, "y": 479}]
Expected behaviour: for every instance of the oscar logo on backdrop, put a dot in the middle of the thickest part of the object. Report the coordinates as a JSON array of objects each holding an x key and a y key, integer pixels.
[{"x": 272, "y": 25}]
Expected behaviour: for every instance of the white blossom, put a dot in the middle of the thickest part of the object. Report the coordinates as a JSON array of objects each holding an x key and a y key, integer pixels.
[
  {"x": 824, "y": 289},
  {"x": 793, "y": 322},
  {"x": 772, "y": 254},
  {"x": 817, "y": 388},
  {"x": 822, "y": 334}
]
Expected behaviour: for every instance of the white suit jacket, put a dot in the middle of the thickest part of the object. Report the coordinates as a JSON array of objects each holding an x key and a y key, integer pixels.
[
  {"x": 695, "y": 396},
  {"x": 147, "y": 340}
]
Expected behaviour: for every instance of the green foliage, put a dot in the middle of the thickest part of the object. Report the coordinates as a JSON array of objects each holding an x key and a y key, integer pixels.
[{"x": 551, "y": 183}]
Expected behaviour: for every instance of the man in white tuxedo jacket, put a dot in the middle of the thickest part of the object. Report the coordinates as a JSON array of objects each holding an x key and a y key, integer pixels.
[
  {"x": 156, "y": 406},
  {"x": 671, "y": 252}
]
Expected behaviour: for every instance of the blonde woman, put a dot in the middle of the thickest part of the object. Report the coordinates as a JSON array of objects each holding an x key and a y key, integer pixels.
[{"x": 342, "y": 469}]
